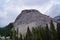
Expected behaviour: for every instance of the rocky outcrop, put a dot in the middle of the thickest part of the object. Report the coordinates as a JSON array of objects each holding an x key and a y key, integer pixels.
[{"x": 31, "y": 18}]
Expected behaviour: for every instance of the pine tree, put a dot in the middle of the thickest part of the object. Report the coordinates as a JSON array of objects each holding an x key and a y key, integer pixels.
[
  {"x": 42, "y": 33},
  {"x": 20, "y": 37},
  {"x": 28, "y": 34},
  {"x": 53, "y": 31},
  {"x": 17, "y": 34},
  {"x": 39, "y": 33},
  {"x": 47, "y": 32},
  {"x": 58, "y": 30},
  {"x": 52, "y": 27},
  {"x": 33, "y": 33},
  {"x": 13, "y": 34}
]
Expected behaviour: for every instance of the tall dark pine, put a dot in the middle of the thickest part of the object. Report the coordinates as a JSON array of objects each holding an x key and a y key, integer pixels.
[
  {"x": 47, "y": 32},
  {"x": 53, "y": 31},
  {"x": 17, "y": 34},
  {"x": 20, "y": 37},
  {"x": 52, "y": 27},
  {"x": 14, "y": 34},
  {"x": 58, "y": 30},
  {"x": 28, "y": 34}
]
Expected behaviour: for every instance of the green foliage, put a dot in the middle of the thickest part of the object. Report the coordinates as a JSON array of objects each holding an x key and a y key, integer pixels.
[
  {"x": 47, "y": 35},
  {"x": 14, "y": 34},
  {"x": 53, "y": 31},
  {"x": 58, "y": 30},
  {"x": 20, "y": 37},
  {"x": 28, "y": 35},
  {"x": 6, "y": 31}
]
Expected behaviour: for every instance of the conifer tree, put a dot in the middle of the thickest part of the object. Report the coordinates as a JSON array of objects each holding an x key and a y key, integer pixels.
[
  {"x": 33, "y": 33},
  {"x": 39, "y": 33},
  {"x": 28, "y": 34},
  {"x": 58, "y": 30},
  {"x": 53, "y": 31},
  {"x": 47, "y": 32},
  {"x": 20, "y": 37},
  {"x": 43, "y": 33},
  {"x": 14, "y": 34},
  {"x": 52, "y": 27},
  {"x": 17, "y": 34}
]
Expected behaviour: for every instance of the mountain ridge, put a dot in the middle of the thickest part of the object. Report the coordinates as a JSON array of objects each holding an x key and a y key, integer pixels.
[
  {"x": 57, "y": 18},
  {"x": 31, "y": 18}
]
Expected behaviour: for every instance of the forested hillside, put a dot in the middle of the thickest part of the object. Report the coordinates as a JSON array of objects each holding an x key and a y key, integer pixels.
[
  {"x": 38, "y": 33},
  {"x": 6, "y": 31}
]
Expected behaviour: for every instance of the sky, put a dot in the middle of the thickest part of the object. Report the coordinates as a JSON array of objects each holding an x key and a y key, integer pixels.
[{"x": 10, "y": 9}]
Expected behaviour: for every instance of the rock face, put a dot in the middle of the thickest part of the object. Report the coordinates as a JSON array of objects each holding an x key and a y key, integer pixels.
[{"x": 30, "y": 18}]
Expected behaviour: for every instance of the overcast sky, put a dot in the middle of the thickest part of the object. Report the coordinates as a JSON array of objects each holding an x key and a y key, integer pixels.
[{"x": 10, "y": 9}]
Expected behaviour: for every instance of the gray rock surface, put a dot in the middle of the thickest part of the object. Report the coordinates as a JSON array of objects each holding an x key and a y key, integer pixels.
[{"x": 31, "y": 18}]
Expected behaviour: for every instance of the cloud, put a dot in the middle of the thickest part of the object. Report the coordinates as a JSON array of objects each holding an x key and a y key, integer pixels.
[
  {"x": 8, "y": 12},
  {"x": 54, "y": 10},
  {"x": 35, "y": 2}
]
